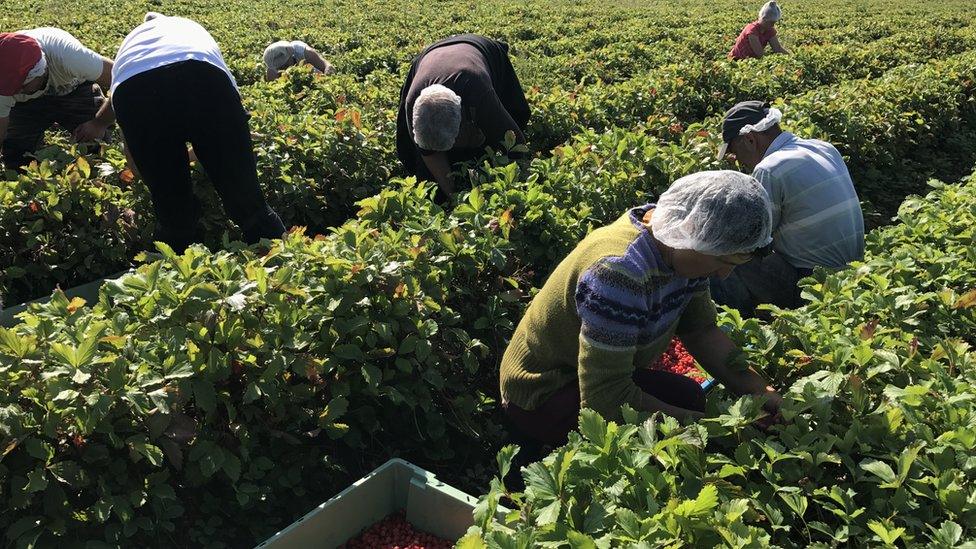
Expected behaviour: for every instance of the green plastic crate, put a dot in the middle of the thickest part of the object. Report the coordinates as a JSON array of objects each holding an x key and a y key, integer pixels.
[
  {"x": 87, "y": 291},
  {"x": 430, "y": 505}
]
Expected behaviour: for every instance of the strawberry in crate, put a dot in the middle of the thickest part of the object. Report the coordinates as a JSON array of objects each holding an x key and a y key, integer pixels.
[{"x": 394, "y": 532}]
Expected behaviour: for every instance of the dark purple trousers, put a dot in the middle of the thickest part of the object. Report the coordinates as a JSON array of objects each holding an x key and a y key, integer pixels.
[{"x": 552, "y": 421}]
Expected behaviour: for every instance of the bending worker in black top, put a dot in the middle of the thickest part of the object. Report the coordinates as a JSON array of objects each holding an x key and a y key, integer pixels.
[{"x": 461, "y": 95}]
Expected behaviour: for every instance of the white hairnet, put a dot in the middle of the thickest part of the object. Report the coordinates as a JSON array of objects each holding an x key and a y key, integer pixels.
[
  {"x": 38, "y": 70},
  {"x": 436, "y": 118},
  {"x": 278, "y": 55},
  {"x": 770, "y": 11},
  {"x": 715, "y": 213},
  {"x": 773, "y": 117}
]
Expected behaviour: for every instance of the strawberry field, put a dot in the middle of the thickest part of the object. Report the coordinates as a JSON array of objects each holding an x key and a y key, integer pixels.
[{"x": 211, "y": 398}]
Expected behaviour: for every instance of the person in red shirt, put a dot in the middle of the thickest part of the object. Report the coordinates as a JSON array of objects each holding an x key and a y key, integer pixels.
[
  {"x": 48, "y": 77},
  {"x": 755, "y": 36}
]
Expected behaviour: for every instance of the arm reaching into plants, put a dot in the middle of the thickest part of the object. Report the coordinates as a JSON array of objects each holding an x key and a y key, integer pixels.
[
  {"x": 440, "y": 168},
  {"x": 776, "y": 46},
  {"x": 757, "y": 47},
  {"x": 314, "y": 58},
  {"x": 715, "y": 352},
  {"x": 96, "y": 127}
]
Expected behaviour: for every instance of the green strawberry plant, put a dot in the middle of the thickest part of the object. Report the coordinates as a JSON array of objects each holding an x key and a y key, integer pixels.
[
  {"x": 878, "y": 375},
  {"x": 211, "y": 398}
]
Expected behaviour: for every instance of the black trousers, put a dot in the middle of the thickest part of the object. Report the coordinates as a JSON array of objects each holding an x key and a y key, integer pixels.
[
  {"x": 551, "y": 421},
  {"x": 30, "y": 119},
  {"x": 162, "y": 109},
  {"x": 769, "y": 279}
]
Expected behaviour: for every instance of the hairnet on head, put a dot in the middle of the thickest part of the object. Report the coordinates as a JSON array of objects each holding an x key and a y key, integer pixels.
[
  {"x": 770, "y": 11},
  {"x": 715, "y": 213},
  {"x": 436, "y": 118},
  {"x": 278, "y": 55}
]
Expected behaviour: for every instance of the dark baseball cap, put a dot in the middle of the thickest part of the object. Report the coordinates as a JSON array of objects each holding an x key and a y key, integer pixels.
[{"x": 738, "y": 117}]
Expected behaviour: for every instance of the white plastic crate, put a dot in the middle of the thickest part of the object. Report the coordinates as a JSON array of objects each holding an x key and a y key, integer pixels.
[
  {"x": 429, "y": 504},
  {"x": 89, "y": 292}
]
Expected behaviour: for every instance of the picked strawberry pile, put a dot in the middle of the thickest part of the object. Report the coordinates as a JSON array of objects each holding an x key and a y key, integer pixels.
[
  {"x": 394, "y": 532},
  {"x": 678, "y": 360}
]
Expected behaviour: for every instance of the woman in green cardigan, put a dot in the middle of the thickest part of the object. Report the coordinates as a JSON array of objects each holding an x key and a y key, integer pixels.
[{"x": 612, "y": 306}]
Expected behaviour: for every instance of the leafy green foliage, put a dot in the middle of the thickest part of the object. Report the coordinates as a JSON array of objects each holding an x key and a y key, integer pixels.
[
  {"x": 322, "y": 143},
  {"x": 879, "y": 376},
  {"x": 213, "y": 397}
]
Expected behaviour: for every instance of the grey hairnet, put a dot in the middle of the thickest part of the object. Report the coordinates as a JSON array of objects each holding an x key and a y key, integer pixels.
[
  {"x": 436, "y": 118},
  {"x": 770, "y": 12}
]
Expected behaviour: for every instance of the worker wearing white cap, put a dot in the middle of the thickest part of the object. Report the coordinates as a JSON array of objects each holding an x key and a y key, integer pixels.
[{"x": 284, "y": 54}]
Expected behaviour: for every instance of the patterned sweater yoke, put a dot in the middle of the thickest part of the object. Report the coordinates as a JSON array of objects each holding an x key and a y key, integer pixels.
[
  {"x": 624, "y": 307},
  {"x": 629, "y": 301}
]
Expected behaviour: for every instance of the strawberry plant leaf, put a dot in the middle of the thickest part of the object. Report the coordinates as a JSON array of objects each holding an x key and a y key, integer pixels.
[
  {"x": 579, "y": 540},
  {"x": 549, "y": 514},
  {"x": 592, "y": 426},
  {"x": 471, "y": 540},
  {"x": 881, "y": 470},
  {"x": 887, "y": 535},
  {"x": 205, "y": 396},
  {"x": 504, "y": 459}
]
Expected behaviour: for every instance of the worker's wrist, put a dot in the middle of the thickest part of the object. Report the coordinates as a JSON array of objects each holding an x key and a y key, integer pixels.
[{"x": 757, "y": 385}]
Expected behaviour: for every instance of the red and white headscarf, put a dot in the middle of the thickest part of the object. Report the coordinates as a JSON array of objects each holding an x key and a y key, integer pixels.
[{"x": 21, "y": 60}]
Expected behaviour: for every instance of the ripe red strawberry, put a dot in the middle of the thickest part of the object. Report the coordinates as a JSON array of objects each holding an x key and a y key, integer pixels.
[
  {"x": 394, "y": 532},
  {"x": 678, "y": 360}
]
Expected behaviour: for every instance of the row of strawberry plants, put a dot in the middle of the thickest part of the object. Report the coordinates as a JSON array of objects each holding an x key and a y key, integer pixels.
[
  {"x": 222, "y": 388},
  {"x": 315, "y": 167},
  {"x": 554, "y": 45},
  {"x": 682, "y": 94},
  {"x": 196, "y": 372},
  {"x": 879, "y": 375},
  {"x": 506, "y": 202},
  {"x": 304, "y": 160},
  {"x": 208, "y": 341}
]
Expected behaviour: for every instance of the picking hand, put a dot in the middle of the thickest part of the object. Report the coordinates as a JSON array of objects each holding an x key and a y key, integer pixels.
[
  {"x": 89, "y": 131},
  {"x": 772, "y": 405},
  {"x": 773, "y": 400},
  {"x": 765, "y": 423}
]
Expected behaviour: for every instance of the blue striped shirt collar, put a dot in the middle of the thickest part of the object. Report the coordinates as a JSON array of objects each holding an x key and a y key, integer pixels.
[{"x": 781, "y": 141}]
